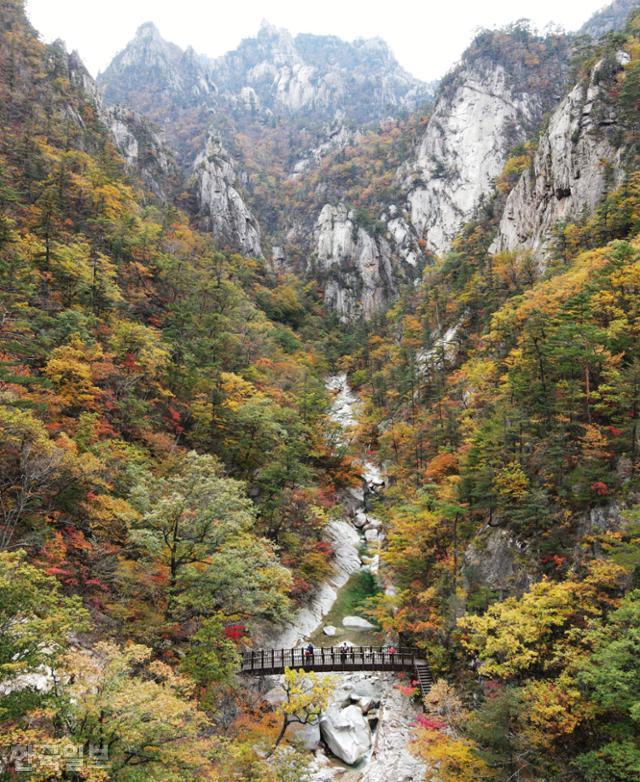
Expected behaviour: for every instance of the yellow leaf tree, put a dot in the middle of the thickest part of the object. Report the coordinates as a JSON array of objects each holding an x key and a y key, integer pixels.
[{"x": 307, "y": 697}]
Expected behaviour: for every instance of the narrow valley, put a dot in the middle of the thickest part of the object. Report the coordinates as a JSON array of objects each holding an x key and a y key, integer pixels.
[{"x": 299, "y": 350}]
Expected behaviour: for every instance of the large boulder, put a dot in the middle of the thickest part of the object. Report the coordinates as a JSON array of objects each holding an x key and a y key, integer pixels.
[
  {"x": 307, "y": 736},
  {"x": 368, "y": 688},
  {"x": 346, "y": 733},
  {"x": 371, "y": 535}
]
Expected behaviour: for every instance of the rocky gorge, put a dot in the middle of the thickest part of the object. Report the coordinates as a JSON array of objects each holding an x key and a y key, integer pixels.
[
  {"x": 368, "y": 725},
  {"x": 297, "y": 349}
]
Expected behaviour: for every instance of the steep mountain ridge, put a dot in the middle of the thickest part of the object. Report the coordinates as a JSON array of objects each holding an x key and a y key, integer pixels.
[
  {"x": 494, "y": 100},
  {"x": 609, "y": 19},
  {"x": 317, "y": 91},
  {"x": 319, "y": 79},
  {"x": 579, "y": 158},
  {"x": 322, "y": 92},
  {"x": 504, "y": 393},
  {"x": 165, "y": 79},
  {"x": 319, "y": 76},
  {"x": 139, "y": 370},
  {"x": 319, "y": 94}
]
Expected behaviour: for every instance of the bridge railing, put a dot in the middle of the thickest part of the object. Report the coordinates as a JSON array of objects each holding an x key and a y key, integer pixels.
[{"x": 332, "y": 657}]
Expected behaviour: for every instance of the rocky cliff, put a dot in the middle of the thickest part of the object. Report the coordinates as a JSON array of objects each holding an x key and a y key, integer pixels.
[
  {"x": 222, "y": 211},
  {"x": 144, "y": 151},
  {"x": 361, "y": 267},
  {"x": 612, "y": 17},
  {"x": 579, "y": 157},
  {"x": 156, "y": 78},
  {"x": 495, "y": 99},
  {"x": 318, "y": 76},
  {"x": 222, "y": 116},
  {"x": 356, "y": 266}
]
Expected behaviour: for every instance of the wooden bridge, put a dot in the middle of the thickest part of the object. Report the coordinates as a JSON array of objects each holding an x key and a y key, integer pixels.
[{"x": 269, "y": 662}]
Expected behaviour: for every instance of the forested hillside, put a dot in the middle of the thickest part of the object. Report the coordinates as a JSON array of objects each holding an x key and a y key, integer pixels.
[
  {"x": 174, "y": 463},
  {"x": 165, "y": 472},
  {"x": 503, "y": 400}
]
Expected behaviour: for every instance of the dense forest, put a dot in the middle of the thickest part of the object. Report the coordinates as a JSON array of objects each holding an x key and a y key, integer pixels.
[
  {"x": 165, "y": 470},
  {"x": 168, "y": 464},
  {"x": 503, "y": 398}
]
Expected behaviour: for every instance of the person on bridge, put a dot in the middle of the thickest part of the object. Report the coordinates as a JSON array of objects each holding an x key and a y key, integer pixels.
[
  {"x": 308, "y": 652},
  {"x": 343, "y": 651}
]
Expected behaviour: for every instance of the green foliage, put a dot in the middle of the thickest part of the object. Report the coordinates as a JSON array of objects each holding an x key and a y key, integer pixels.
[
  {"x": 36, "y": 621},
  {"x": 197, "y": 526},
  {"x": 611, "y": 678},
  {"x": 495, "y": 729},
  {"x": 618, "y": 761},
  {"x": 212, "y": 658}
]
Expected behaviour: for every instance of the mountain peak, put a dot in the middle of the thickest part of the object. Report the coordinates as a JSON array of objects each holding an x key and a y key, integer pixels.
[
  {"x": 267, "y": 27},
  {"x": 148, "y": 30},
  {"x": 268, "y": 30},
  {"x": 373, "y": 43}
]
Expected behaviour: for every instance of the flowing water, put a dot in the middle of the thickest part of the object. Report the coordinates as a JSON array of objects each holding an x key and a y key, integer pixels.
[
  {"x": 389, "y": 759},
  {"x": 356, "y": 540}
]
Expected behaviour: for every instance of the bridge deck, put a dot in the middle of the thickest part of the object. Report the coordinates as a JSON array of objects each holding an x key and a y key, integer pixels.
[{"x": 265, "y": 662}]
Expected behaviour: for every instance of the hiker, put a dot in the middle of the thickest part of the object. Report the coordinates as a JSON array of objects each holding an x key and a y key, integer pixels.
[
  {"x": 308, "y": 652},
  {"x": 343, "y": 651}
]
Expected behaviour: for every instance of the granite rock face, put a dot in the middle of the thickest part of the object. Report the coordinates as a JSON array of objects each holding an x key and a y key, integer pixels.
[
  {"x": 496, "y": 560},
  {"x": 576, "y": 162},
  {"x": 612, "y": 17},
  {"x": 490, "y": 103},
  {"x": 461, "y": 153},
  {"x": 356, "y": 266},
  {"x": 362, "y": 270},
  {"x": 222, "y": 210},
  {"x": 144, "y": 151}
]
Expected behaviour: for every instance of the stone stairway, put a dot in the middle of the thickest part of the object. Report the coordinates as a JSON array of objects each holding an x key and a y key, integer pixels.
[{"x": 424, "y": 677}]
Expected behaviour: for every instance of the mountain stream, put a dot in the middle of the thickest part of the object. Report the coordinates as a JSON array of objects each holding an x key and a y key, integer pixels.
[{"x": 379, "y": 733}]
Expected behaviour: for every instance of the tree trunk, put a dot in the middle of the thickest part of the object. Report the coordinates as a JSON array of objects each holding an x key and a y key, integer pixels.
[{"x": 283, "y": 730}]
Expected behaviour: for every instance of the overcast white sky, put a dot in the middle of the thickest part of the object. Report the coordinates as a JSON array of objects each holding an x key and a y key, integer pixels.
[{"x": 426, "y": 37}]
